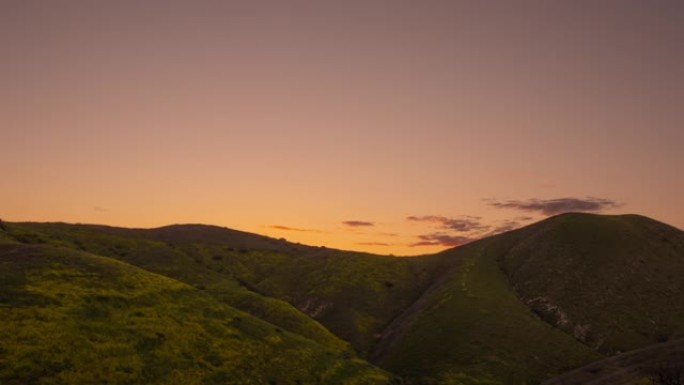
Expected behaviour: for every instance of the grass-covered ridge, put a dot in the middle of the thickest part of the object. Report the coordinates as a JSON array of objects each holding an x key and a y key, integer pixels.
[
  {"x": 616, "y": 283},
  {"x": 75, "y": 318},
  {"x": 473, "y": 330}
]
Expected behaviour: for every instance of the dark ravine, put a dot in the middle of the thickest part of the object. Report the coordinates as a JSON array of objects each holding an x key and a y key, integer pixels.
[{"x": 397, "y": 328}]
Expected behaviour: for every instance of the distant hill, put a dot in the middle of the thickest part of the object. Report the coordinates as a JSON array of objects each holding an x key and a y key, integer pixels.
[{"x": 516, "y": 308}]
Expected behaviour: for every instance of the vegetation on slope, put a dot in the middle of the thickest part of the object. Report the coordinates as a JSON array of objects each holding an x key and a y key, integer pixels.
[
  {"x": 614, "y": 282},
  {"x": 474, "y": 330},
  {"x": 208, "y": 272},
  {"x": 517, "y": 308},
  {"x": 354, "y": 295},
  {"x": 75, "y": 318}
]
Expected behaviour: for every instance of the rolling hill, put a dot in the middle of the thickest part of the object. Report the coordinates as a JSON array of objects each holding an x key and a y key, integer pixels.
[
  {"x": 615, "y": 283},
  {"x": 72, "y": 317},
  {"x": 293, "y": 286},
  {"x": 472, "y": 329},
  {"x": 517, "y": 308}
]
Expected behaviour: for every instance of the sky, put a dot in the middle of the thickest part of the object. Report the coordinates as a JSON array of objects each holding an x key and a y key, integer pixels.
[{"x": 393, "y": 127}]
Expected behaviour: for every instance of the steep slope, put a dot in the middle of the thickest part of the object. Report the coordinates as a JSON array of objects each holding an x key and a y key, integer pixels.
[
  {"x": 614, "y": 282},
  {"x": 75, "y": 318},
  {"x": 472, "y": 329}
]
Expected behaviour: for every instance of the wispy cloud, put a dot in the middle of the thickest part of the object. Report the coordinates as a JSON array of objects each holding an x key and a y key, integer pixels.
[
  {"x": 100, "y": 209},
  {"x": 459, "y": 231},
  {"x": 381, "y": 234},
  {"x": 441, "y": 239},
  {"x": 357, "y": 223},
  {"x": 452, "y": 231},
  {"x": 463, "y": 224},
  {"x": 374, "y": 244},
  {"x": 288, "y": 228},
  {"x": 523, "y": 218},
  {"x": 558, "y": 206}
]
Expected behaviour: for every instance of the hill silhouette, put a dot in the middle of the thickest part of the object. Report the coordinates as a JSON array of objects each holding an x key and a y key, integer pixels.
[{"x": 517, "y": 308}]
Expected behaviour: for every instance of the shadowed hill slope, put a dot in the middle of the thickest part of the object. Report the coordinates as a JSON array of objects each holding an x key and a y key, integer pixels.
[
  {"x": 71, "y": 317},
  {"x": 472, "y": 329},
  {"x": 636, "y": 367},
  {"x": 616, "y": 283},
  {"x": 520, "y": 306},
  {"x": 354, "y": 295}
]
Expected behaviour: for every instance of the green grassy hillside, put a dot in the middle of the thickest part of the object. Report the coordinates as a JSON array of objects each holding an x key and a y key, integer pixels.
[
  {"x": 296, "y": 287},
  {"x": 517, "y": 308},
  {"x": 614, "y": 282},
  {"x": 72, "y": 317},
  {"x": 472, "y": 329},
  {"x": 224, "y": 278},
  {"x": 354, "y": 295}
]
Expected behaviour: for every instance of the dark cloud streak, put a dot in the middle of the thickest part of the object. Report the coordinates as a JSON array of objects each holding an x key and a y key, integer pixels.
[
  {"x": 464, "y": 224},
  {"x": 374, "y": 244},
  {"x": 558, "y": 206},
  {"x": 288, "y": 228},
  {"x": 356, "y": 223},
  {"x": 441, "y": 239}
]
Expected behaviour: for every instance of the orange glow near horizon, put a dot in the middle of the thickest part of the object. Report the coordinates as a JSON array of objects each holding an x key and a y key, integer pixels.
[{"x": 306, "y": 115}]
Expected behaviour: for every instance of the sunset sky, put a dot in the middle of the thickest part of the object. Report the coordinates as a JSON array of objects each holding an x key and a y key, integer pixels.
[{"x": 396, "y": 127}]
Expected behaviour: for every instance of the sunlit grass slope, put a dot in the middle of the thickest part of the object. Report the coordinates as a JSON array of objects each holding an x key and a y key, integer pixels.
[
  {"x": 71, "y": 317},
  {"x": 474, "y": 330},
  {"x": 221, "y": 273},
  {"x": 614, "y": 282},
  {"x": 354, "y": 295}
]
